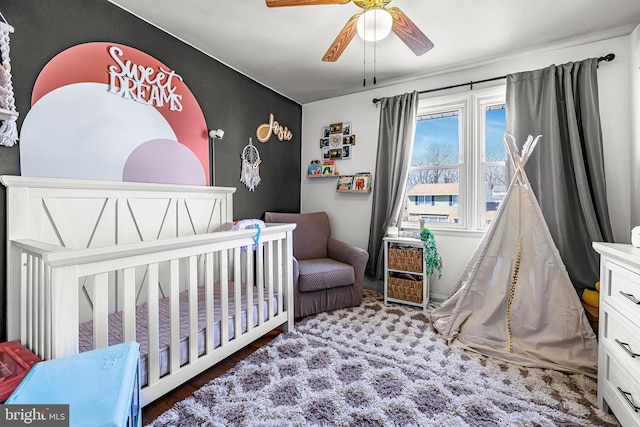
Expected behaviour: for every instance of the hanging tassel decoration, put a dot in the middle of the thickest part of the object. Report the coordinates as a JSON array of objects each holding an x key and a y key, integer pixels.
[
  {"x": 8, "y": 129},
  {"x": 250, "y": 174},
  {"x": 9, "y": 132}
]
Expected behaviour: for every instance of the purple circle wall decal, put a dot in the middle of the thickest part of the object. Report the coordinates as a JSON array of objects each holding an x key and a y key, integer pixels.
[{"x": 163, "y": 161}]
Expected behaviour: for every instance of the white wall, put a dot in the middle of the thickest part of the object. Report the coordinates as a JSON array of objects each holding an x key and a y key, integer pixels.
[
  {"x": 635, "y": 126},
  {"x": 350, "y": 213}
]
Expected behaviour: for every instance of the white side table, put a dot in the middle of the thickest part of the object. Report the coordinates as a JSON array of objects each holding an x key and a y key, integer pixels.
[{"x": 405, "y": 280}]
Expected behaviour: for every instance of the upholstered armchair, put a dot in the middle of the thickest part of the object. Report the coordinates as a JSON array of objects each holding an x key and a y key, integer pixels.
[{"x": 327, "y": 273}]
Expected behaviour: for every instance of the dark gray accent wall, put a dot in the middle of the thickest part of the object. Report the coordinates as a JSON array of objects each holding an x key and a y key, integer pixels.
[{"x": 228, "y": 99}]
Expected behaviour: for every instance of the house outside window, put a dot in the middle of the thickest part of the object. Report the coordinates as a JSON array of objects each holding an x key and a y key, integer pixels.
[
  {"x": 421, "y": 199},
  {"x": 440, "y": 208},
  {"x": 458, "y": 161}
]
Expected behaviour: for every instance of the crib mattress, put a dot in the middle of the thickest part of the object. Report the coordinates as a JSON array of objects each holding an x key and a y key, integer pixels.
[{"x": 115, "y": 325}]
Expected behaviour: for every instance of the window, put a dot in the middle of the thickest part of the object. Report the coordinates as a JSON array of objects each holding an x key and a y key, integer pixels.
[
  {"x": 422, "y": 200},
  {"x": 457, "y": 170}
]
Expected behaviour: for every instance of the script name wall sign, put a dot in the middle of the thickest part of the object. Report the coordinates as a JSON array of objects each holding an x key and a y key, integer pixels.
[{"x": 264, "y": 131}]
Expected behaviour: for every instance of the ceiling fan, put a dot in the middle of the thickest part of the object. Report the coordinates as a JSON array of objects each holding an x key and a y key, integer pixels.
[{"x": 374, "y": 12}]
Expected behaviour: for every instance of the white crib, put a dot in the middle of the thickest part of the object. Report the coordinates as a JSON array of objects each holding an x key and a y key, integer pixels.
[{"x": 94, "y": 263}]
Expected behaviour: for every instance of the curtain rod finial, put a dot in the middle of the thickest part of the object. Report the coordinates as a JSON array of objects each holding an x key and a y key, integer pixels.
[{"x": 608, "y": 58}]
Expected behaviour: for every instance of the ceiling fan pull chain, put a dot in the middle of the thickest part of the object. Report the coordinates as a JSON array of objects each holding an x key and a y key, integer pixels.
[
  {"x": 374, "y": 63},
  {"x": 375, "y": 43},
  {"x": 364, "y": 63}
]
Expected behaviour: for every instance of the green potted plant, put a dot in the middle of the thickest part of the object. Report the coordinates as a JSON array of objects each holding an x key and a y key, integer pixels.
[{"x": 432, "y": 259}]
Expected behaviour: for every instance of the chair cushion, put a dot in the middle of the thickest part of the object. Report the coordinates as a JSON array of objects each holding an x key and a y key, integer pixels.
[{"x": 324, "y": 273}]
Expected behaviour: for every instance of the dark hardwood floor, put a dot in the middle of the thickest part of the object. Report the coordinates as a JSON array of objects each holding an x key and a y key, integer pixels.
[{"x": 162, "y": 404}]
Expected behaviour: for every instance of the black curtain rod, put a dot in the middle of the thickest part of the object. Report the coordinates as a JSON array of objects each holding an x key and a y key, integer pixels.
[{"x": 608, "y": 58}]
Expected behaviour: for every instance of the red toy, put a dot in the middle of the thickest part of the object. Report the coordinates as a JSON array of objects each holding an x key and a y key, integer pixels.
[{"x": 15, "y": 362}]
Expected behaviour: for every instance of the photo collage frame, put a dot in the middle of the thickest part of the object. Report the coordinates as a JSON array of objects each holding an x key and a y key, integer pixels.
[{"x": 337, "y": 141}]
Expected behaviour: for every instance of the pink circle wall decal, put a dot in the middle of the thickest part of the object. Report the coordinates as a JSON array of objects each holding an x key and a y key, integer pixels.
[{"x": 90, "y": 63}]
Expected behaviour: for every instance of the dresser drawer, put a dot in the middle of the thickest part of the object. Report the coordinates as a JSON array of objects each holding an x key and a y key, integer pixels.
[
  {"x": 622, "y": 290},
  {"x": 620, "y": 390},
  {"x": 621, "y": 336}
]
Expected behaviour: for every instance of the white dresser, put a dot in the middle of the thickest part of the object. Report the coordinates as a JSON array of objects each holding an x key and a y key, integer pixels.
[{"x": 619, "y": 332}]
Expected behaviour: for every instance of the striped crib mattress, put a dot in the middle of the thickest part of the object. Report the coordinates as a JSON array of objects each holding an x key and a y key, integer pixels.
[{"x": 115, "y": 325}]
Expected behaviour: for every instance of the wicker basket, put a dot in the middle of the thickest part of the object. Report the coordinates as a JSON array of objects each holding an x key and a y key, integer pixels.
[
  {"x": 405, "y": 259},
  {"x": 403, "y": 289}
]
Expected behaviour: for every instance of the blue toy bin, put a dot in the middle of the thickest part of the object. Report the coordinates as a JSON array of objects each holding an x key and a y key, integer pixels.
[{"x": 101, "y": 386}]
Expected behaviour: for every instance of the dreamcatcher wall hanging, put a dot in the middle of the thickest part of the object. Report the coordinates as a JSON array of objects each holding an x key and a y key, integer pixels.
[
  {"x": 250, "y": 174},
  {"x": 8, "y": 129}
]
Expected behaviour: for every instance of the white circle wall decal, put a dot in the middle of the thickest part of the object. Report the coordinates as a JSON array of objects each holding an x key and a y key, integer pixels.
[{"x": 64, "y": 135}]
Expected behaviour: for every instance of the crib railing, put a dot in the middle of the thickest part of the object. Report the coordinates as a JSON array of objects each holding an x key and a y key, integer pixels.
[{"x": 54, "y": 280}]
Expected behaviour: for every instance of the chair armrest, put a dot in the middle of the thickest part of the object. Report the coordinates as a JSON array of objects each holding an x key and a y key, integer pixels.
[
  {"x": 296, "y": 288},
  {"x": 349, "y": 254},
  {"x": 296, "y": 274}
]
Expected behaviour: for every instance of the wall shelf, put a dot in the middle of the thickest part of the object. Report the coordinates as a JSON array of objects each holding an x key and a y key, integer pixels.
[
  {"x": 5, "y": 114},
  {"x": 358, "y": 183},
  {"x": 326, "y": 175}
]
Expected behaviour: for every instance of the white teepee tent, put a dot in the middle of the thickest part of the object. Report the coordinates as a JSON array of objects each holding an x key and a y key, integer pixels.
[{"x": 515, "y": 300}]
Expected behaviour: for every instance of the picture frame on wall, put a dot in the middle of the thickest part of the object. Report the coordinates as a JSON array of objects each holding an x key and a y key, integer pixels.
[
  {"x": 326, "y": 153},
  {"x": 349, "y": 140},
  {"x": 335, "y": 128},
  {"x": 346, "y": 128},
  {"x": 324, "y": 142},
  {"x": 335, "y": 140},
  {"x": 326, "y": 131},
  {"x": 346, "y": 152},
  {"x": 335, "y": 153}
]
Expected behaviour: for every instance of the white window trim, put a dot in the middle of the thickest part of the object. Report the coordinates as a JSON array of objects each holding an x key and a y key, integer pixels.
[
  {"x": 471, "y": 104},
  {"x": 493, "y": 96}
]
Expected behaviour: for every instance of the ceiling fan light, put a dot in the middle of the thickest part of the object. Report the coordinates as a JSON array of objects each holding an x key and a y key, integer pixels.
[{"x": 374, "y": 24}]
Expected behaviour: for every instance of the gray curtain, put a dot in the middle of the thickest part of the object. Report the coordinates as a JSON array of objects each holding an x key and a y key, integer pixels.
[
  {"x": 566, "y": 169},
  {"x": 395, "y": 142}
]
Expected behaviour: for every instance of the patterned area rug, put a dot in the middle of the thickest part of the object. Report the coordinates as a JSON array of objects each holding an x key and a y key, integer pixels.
[{"x": 377, "y": 365}]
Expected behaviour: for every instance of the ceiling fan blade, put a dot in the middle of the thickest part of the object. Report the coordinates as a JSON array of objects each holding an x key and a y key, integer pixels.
[
  {"x": 409, "y": 33},
  {"x": 343, "y": 39},
  {"x": 281, "y": 3}
]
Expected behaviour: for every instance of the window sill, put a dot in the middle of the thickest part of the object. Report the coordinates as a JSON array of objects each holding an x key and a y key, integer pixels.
[{"x": 443, "y": 231}]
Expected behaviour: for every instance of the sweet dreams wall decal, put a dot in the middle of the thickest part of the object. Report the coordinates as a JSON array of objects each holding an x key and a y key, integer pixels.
[{"x": 108, "y": 111}]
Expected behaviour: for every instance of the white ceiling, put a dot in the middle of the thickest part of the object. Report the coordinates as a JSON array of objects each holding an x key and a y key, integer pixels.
[{"x": 282, "y": 47}]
